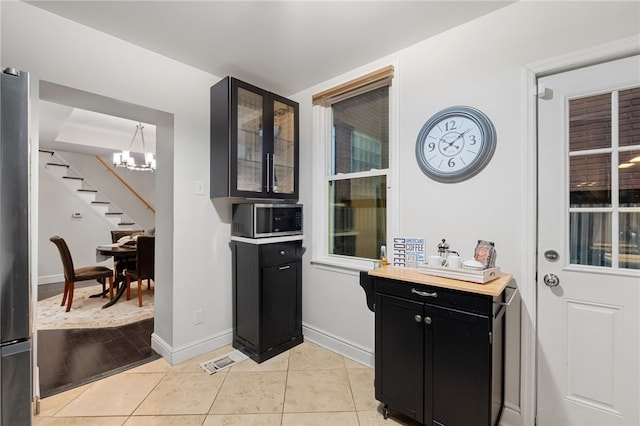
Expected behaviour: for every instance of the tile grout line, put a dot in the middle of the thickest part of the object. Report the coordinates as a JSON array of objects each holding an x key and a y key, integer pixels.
[
  {"x": 209, "y": 413},
  {"x": 286, "y": 383},
  {"x": 353, "y": 399},
  {"x": 148, "y": 394}
]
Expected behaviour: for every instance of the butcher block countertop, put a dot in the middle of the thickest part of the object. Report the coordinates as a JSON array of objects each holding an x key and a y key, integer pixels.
[{"x": 491, "y": 288}]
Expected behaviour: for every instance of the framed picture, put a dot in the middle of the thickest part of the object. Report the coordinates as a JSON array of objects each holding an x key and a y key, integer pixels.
[
  {"x": 408, "y": 252},
  {"x": 485, "y": 253}
]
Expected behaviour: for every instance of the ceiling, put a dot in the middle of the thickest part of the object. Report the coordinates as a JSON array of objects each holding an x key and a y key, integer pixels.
[{"x": 282, "y": 46}]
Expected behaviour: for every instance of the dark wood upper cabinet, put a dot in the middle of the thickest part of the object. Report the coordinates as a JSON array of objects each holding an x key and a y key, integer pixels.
[{"x": 254, "y": 142}]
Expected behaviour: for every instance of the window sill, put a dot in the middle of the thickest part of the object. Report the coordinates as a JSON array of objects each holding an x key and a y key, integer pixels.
[{"x": 343, "y": 265}]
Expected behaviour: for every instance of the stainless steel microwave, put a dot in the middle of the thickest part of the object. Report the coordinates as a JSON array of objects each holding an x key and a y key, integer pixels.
[{"x": 266, "y": 220}]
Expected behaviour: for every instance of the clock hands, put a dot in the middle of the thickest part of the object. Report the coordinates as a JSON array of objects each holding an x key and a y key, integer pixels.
[{"x": 449, "y": 144}]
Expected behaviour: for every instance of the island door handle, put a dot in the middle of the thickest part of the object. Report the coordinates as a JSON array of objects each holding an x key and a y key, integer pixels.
[
  {"x": 424, "y": 293},
  {"x": 418, "y": 318}
]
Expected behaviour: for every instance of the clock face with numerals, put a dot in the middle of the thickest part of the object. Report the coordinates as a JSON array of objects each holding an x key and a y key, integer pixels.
[{"x": 455, "y": 144}]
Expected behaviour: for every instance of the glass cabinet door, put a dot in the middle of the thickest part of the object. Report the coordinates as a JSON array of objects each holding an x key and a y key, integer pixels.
[
  {"x": 284, "y": 135},
  {"x": 250, "y": 141}
]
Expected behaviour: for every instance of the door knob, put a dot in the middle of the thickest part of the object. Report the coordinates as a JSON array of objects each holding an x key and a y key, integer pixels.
[
  {"x": 551, "y": 280},
  {"x": 418, "y": 318}
]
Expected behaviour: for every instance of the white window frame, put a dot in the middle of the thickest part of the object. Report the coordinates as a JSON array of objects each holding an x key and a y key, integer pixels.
[{"x": 322, "y": 129}]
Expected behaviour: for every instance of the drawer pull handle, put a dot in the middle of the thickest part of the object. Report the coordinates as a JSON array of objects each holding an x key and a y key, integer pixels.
[
  {"x": 282, "y": 268},
  {"x": 281, "y": 252},
  {"x": 424, "y": 293}
]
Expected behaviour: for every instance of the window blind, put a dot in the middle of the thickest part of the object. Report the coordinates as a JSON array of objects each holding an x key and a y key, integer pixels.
[{"x": 373, "y": 80}]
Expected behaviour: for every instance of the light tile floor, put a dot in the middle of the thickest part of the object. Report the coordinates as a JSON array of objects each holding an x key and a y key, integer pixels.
[{"x": 307, "y": 385}]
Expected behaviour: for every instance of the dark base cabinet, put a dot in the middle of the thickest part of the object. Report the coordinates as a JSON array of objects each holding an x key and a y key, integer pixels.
[
  {"x": 267, "y": 298},
  {"x": 438, "y": 352}
]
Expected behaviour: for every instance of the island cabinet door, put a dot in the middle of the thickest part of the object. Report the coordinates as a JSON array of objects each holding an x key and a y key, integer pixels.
[
  {"x": 458, "y": 368},
  {"x": 399, "y": 366}
]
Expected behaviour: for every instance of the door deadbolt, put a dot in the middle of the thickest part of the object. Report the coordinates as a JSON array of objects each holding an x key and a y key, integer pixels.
[
  {"x": 551, "y": 255},
  {"x": 551, "y": 280}
]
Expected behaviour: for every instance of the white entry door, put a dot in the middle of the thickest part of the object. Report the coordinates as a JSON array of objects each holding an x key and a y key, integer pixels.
[{"x": 589, "y": 246}]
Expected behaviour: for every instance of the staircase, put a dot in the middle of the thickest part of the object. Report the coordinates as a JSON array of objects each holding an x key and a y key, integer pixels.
[{"x": 54, "y": 165}]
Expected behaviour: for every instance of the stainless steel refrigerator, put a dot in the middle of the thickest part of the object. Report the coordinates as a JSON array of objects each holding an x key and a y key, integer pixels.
[{"x": 15, "y": 291}]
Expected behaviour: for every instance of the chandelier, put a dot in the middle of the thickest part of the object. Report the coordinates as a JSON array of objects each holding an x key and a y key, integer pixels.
[{"x": 125, "y": 159}]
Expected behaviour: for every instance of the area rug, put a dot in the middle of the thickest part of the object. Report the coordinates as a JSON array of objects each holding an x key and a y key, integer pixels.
[{"x": 87, "y": 312}]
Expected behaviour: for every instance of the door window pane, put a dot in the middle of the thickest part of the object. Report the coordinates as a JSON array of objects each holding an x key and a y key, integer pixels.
[
  {"x": 629, "y": 117},
  {"x": 357, "y": 225},
  {"x": 630, "y": 240},
  {"x": 590, "y": 122},
  {"x": 629, "y": 174},
  {"x": 249, "y": 130},
  {"x": 590, "y": 177},
  {"x": 590, "y": 238},
  {"x": 283, "y": 148}
]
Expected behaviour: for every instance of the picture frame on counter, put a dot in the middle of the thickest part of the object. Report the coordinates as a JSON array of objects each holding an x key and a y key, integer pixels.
[{"x": 408, "y": 252}]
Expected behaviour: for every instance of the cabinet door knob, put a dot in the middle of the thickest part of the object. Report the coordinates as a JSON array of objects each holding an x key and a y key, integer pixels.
[
  {"x": 281, "y": 252},
  {"x": 418, "y": 318},
  {"x": 427, "y": 320}
]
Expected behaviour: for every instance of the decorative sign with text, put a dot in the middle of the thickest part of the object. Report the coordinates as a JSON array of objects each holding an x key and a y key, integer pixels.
[{"x": 408, "y": 252}]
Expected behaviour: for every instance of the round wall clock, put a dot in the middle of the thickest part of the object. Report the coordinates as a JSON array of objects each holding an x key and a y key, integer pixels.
[{"x": 455, "y": 144}]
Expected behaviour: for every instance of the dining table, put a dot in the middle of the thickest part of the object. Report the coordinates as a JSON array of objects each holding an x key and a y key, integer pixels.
[{"x": 124, "y": 255}]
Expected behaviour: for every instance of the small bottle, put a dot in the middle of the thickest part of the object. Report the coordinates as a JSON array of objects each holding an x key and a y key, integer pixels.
[{"x": 383, "y": 256}]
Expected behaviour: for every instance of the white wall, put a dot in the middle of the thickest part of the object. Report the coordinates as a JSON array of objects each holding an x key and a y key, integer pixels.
[
  {"x": 193, "y": 258},
  {"x": 480, "y": 64}
]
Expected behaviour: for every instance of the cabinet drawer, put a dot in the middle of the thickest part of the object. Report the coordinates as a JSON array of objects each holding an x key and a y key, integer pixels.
[
  {"x": 279, "y": 253},
  {"x": 476, "y": 303}
]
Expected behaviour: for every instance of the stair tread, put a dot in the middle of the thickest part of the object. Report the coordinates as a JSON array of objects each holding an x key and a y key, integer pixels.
[
  {"x": 58, "y": 164},
  {"x": 87, "y": 190},
  {"x": 72, "y": 177}
]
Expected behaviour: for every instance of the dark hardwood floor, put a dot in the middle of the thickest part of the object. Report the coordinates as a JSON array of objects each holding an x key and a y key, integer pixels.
[{"x": 73, "y": 357}]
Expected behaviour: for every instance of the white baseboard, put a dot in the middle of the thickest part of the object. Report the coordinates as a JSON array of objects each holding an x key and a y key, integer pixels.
[
  {"x": 50, "y": 279},
  {"x": 337, "y": 345},
  {"x": 177, "y": 355}
]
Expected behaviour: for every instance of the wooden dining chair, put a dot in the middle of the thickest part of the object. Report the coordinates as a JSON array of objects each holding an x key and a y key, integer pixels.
[
  {"x": 116, "y": 234},
  {"x": 72, "y": 275},
  {"x": 145, "y": 266}
]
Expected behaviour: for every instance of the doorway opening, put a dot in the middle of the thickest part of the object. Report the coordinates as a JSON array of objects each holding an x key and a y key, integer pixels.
[{"x": 75, "y": 356}]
